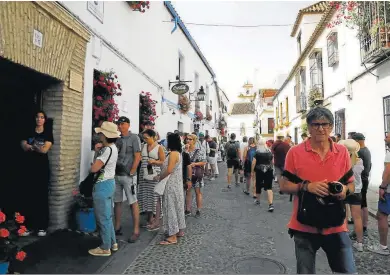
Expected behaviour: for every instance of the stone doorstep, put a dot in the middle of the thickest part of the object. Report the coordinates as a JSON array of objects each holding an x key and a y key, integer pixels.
[{"x": 372, "y": 203}]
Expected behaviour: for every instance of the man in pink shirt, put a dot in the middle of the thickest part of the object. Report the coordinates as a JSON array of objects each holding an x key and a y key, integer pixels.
[{"x": 309, "y": 168}]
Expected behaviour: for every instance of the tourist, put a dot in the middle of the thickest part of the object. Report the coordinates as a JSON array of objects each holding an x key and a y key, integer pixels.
[{"x": 104, "y": 188}]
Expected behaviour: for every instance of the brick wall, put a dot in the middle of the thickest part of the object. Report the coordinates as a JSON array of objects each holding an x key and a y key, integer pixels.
[{"x": 63, "y": 51}]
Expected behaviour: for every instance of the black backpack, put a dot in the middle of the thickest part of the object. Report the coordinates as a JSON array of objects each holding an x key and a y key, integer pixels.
[{"x": 232, "y": 150}]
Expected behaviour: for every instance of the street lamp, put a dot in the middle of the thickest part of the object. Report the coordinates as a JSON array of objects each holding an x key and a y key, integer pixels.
[{"x": 200, "y": 96}]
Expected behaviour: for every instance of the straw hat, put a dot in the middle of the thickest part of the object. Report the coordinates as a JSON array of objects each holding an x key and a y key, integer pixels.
[
  {"x": 108, "y": 129},
  {"x": 353, "y": 148}
]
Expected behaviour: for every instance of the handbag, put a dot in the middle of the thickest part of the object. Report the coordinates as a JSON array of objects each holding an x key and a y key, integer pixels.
[
  {"x": 150, "y": 172},
  {"x": 86, "y": 186},
  {"x": 313, "y": 211},
  {"x": 159, "y": 188},
  {"x": 197, "y": 171}
]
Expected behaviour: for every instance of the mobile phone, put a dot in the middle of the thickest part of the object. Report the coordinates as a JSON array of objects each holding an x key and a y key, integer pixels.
[{"x": 150, "y": 169}]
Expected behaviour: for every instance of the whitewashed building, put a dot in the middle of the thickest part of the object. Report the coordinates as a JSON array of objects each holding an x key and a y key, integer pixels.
[
  {"x": 347, "y": 73},
  {"x": 146, "y": 51},
  {"x": 265, "y": 113}
]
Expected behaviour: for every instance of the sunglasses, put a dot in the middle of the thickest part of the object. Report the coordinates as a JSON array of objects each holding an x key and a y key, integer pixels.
[
  {"x": 317, "y": 126},
  {"x": 189, "y": 139}
]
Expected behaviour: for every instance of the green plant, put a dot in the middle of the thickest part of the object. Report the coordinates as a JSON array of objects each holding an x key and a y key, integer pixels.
[
  {"x": 315, "y": 94},
  {"x": 304, "y": 128}
]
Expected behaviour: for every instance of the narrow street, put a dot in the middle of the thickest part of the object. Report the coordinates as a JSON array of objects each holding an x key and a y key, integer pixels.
[{"x": 234, "y": 236}]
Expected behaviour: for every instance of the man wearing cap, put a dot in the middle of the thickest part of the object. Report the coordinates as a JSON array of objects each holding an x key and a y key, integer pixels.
[{"x": 129, "y": 156}]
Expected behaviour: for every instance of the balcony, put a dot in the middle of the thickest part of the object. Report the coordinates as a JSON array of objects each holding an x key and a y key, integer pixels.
[
  {"x": 301, "y": 103},
  {"x": 374, "y": 31},
  {"x": 316, "y": 96}
]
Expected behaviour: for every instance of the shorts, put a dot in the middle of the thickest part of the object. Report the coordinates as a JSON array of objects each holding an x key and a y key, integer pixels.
[
  {"x": 233, "y": 163},
  {"x": 127, "y": 184},
  {"x": 364, "y": 193},
  {"x": 264, "y": 180},
  {"x": 354, "y": 199},
  {"x": 212, "y": 160},
  {"x": 196, "y": 183},
  {"x": 384, "y": 206}
]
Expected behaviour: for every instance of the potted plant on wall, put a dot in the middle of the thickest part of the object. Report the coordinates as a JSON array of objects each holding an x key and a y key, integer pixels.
[
  {"x": 85, "y": 215},
  {"x": 198, "y": 116},
  {"x": 105, "y": 89},
  {"x": 140, "y": 6},
  {"x": 147, "y": 109},
  {"x": 184, "y": 104},
  {"x": 10, "y": 230}
]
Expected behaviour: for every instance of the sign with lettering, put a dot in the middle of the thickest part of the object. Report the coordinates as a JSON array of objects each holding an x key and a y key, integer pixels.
[
  {"x": 76, "y": 81},
  {"x": 37, "y": 38},
  {"x": 180, "y": 89}
]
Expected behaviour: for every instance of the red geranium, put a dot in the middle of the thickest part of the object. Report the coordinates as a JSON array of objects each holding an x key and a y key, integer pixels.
[
  {"x": 21, "y": 255},
  {"x": 2, "y": 217},
  {"x": 19, "y": 218},
  {"x": 4, "y": 233}
]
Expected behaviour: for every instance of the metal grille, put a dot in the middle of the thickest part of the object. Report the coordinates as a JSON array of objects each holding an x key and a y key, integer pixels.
[
  {"x": 315, "y": 62},
  {"x": 340, "y": 123},
  {"x": 386, "y": 113},
  {"x": 332, "y": 47}
]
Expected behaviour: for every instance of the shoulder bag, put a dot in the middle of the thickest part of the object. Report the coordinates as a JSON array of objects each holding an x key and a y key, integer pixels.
[
  {"x": 86, "y": 186},
  {"x": 314, "y": 211},
  {"x": 197, "y": 171}
]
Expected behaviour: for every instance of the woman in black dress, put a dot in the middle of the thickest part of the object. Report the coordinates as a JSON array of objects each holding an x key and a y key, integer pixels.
[{"x": 36, "y": 145}]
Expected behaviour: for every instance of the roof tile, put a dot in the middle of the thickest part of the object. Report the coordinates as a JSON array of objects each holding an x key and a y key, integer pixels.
[
  {"x": 319, "y": 7},
  {"x": 243, "y": 109}
]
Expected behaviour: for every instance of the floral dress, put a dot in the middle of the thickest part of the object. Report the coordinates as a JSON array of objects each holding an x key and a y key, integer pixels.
[
  {"x": 173, "y": 199},
  {"x": 198, "y": 155}
]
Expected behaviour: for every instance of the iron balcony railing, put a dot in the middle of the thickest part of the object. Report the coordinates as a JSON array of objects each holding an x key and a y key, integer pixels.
[{"x": 374, "y": 30}]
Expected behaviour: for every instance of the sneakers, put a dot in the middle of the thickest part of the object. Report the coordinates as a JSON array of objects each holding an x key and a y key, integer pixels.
[
  {"x": 379, "y": 250},
  {"x": 271, "y": 208},
  {"x": 245, "y": 192},
  {"x": 99, "y": 252},
  {"x": 197, "y": 214},
  {"x": 187, "y": 213},
  {"x": 41, "y": 233},
  {"x": 358, "y": 246},
  {"x": 212, "y": 179},
  {"x": 237, "y": 184},
  {"x": 257, "y": 202},
  {"x": 365, "y": 233},
  {"x": 229, "y": 187},
  {"x": 115, "y": 247},
  {"x": 350, "y": 221}
]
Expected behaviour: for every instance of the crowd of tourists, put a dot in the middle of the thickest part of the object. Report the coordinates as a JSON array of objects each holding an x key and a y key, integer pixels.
[{"x": 155, "y": 177}]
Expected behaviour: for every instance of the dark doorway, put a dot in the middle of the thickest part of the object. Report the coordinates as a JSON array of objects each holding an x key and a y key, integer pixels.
[
  {"x": 340, "y": 123},
  {"x": 20, "y": 97}
]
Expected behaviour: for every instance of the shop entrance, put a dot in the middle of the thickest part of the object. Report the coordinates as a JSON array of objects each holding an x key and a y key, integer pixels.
[{"x": 21, "y": 92}]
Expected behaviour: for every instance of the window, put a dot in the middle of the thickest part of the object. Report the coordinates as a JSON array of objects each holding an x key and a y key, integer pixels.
[
  {"x": 180, "y": 126},
  {"x": 211, "y": 104},
  {"x": 287, "y": 116},
  {"x": 386, "y": 113},
  {"x": 299, "y": 42},
  {"x": 315, "y": 62},
  {"x": 196, "y": 87},
  {"x": 340, "y": 123},
  {"x": 271, "y": 125},
  {"x": 242, "y": 129},
  {"x": 277, "y": 116},
  {"x": 333, "y": 51},
  {"x": 181, "y": 67}
]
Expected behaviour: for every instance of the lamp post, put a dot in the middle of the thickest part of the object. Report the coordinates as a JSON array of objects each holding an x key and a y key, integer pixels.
[{"x": 200, "y": 95}]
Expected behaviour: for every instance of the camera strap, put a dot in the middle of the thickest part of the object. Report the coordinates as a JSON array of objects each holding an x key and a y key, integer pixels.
[{"x": 295, "y": 179}]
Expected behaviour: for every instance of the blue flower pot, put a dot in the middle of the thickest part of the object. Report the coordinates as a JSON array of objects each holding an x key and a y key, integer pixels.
[
  {"x": 86, "y": 220},
  {"x": 4, "y": 267}
]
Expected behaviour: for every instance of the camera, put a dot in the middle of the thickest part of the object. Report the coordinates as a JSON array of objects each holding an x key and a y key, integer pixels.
[{"x": 335, "y": 187}]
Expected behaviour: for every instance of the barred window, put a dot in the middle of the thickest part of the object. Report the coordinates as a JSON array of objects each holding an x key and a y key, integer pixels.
[
  {"x": 340, "y": 123},
  {"x": 333, "y": 51},
  {"x": 386, "y": 113}
]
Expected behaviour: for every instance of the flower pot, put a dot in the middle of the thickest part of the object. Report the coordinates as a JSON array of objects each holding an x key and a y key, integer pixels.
[
  {"x": 4, "y": 267},
  {"x": 86, "y": 221}
]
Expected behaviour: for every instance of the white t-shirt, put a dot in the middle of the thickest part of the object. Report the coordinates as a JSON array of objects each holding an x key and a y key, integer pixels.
[
  {"x": 357, "y": 172},
  {"x": 387, "y": 160},
  {"x": 243, "y": 145},
  {"x": 109, "y": 170}
]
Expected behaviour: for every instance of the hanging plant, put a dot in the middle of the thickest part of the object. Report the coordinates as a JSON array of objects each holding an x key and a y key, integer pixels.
[
  {"x": 198, "y": 116},
  {"x": 147, "y": 109},
  {"x": 140, "y": 6},
  {"x": 105, "y": 88},
  {"x": 184, "y": 104}
]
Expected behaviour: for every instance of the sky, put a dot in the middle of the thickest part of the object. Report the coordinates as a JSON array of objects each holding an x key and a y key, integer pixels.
[{"x": 238, "y": 55}]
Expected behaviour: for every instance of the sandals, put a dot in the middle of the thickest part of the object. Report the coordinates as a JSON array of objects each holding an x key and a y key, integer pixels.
[
  {"x": 134, "y": 238},
  {"x": 167, "y": 242},
  {"x": 152, "y": 228},
  {"x": 180, "y": 235}
]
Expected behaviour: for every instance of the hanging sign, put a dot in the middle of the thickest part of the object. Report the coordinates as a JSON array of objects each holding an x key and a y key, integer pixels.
[{"x": 180, "y": 89}]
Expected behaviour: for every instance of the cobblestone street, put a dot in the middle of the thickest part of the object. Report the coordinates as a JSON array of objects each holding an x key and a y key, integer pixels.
[{"x": 234, "y": 236}]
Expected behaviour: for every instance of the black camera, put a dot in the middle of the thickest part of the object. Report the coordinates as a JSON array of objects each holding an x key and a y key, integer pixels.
[{"x": 335, "y": 187}]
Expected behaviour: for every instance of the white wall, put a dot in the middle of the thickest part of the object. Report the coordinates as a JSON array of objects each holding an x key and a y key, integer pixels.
[
  {"x": 364, "y": 109},
  {"x": 148, "y": 43},
  {"x": 234, "y": 125}
]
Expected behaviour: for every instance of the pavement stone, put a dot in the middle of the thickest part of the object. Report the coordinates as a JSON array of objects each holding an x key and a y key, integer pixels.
[{"x": 234, "y": 236}]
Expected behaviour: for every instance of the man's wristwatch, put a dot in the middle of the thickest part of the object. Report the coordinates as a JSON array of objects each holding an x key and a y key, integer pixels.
[
  {"x": 304, "y": 185},
  {"x": 383, "y": 188}
]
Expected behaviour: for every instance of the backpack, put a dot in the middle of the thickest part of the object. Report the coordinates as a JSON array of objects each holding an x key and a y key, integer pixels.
[
  {"x": 251, "y": 154},
  {"x": 232, "y": 150}
]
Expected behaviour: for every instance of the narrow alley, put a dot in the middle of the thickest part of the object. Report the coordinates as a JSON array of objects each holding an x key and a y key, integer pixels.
[{"x": 235, "y": 236}]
